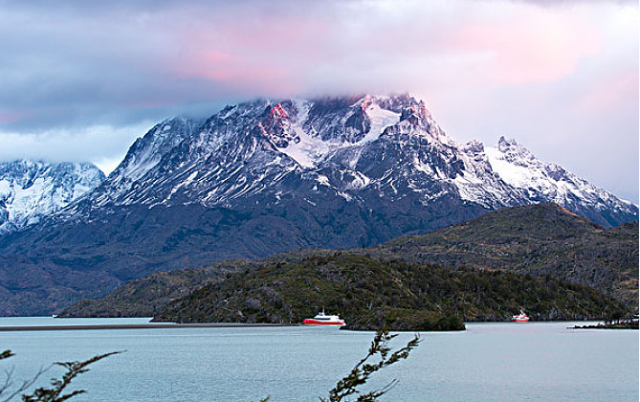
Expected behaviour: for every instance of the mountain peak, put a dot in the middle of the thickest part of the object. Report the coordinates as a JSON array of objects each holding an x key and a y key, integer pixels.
[
  {"x": 31, "y": 190},
  {"x": 415, "y": 113},
  {"x": 278, "y": 111},
  {"x": 513, "y": 152},
  {"x": 505, "y": 144},
  {"x": 351, "y": 148}
]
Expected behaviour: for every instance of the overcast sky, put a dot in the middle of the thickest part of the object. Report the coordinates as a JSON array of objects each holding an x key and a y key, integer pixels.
[{"x": 80, "y": 80}]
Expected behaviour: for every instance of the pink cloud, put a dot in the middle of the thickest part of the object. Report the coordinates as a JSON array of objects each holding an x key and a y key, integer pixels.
[
  {"x": 612, "y": 93},
  {"x": 10, "y": 117},
  {"x": 533, "y": 49},
  {"x": 291, "y": 52},
  {"x": 262, "y": 54},
  {"x": 236, "y": 72}
]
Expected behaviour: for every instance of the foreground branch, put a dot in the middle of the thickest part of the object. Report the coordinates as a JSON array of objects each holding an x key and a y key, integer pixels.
[
  {"x": 58, "y": 386},
  {"x": 55, "y": 393},
  {"x": 362, "y": 371}
]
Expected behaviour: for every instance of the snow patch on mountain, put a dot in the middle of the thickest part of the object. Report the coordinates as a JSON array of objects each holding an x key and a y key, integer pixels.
[
  {"x": 517, "y": 166},
  {"x": 187, "y": 181},
  {"x": 380, "y": 120},
  {"x": 309, "y": 150}
]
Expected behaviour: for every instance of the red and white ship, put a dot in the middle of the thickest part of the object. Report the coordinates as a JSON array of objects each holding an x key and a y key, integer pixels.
[
  {"x": 522, "y": 317},
  {"x": 323, "y": 319}
]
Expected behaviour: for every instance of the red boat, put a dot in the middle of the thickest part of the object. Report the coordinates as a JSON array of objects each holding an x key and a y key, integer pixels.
[
  {"x": 522, "y": 317},
  {"x": 322, "y": 319}
]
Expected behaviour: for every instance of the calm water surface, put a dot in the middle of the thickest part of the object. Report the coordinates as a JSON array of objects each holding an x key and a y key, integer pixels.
[{"x": 488, "y": 362}]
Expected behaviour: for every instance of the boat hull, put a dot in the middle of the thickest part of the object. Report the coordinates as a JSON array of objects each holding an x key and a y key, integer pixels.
[{"x": 310, "y": 321}]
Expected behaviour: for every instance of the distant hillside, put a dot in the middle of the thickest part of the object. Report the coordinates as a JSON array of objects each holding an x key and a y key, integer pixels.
[
  {"x": 366, "y": 291},
  {"x": 543, "y": 239},
  {"x": 144, "y": 297}
]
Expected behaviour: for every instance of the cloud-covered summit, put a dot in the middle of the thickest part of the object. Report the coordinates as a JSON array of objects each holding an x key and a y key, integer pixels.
[{"x": 555, "y": 76}]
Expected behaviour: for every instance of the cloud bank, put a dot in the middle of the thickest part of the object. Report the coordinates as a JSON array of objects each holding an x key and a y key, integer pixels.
[{"x": 560, "y": 77}]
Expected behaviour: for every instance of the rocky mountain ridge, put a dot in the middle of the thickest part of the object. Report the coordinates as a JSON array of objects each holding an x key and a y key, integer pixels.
[{"x": 357, "y": 149}]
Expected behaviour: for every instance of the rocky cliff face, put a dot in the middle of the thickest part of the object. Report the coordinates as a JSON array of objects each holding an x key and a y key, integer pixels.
[{"x": 272, "y": 175}]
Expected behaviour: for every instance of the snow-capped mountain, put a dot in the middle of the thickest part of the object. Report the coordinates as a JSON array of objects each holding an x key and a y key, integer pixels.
[
  {"x": 30, "y": 190},
  {"x": 269, "y": 176},
  {"x": 360, "y": 149},
  {"x": 144, "y": 154},
  {"x": 541, "y": 182}
]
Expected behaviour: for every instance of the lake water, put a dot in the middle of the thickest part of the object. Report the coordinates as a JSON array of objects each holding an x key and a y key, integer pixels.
[{"x": 488, "y": 362}]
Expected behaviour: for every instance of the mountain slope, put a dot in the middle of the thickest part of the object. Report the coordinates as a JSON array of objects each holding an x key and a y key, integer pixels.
[
  {"x": 145, "y": 296},
  {"x": 541, "y": 240},
  {"x": 548, "y": 182},
  {"x": 31, "y": 190},
  {"x": 144, "y": 155},
  {"x": 265, "y": 176}
]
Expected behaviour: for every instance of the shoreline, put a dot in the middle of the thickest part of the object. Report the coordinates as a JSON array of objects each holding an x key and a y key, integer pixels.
[
  {"x": 626, "y": 325},
  {"x": 29, "y": 328}
]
